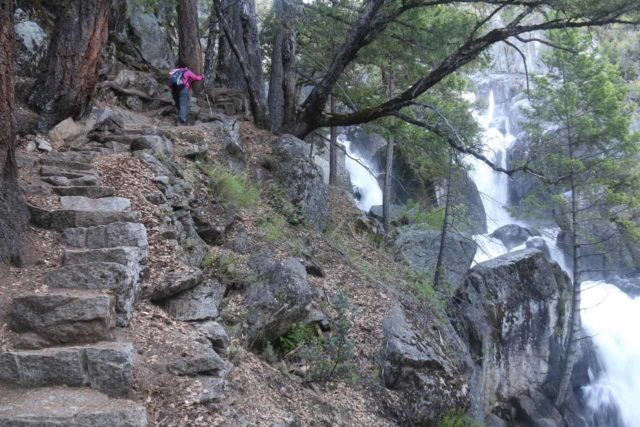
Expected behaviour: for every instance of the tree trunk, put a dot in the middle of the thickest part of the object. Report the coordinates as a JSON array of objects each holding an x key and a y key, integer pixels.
[
  {"x": 247, "y": 55},
  {"x": 570, "y": 352},
  {"x": 189, "y": 48},
  {"x": 13, "y": 214},
  {"x": 282, "y": 86},
  {"x": 386, "y": 193},
  {"x": 333, "y": 149},
  {"x": 438, "y": 279},
  {"x": 68, "y": 81},
  {"x": 210, "y": 52},
  {"x": 229, "y": 72}
]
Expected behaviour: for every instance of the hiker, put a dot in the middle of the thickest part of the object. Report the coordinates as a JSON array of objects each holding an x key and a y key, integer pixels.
[{"x": 180, "y": 79}]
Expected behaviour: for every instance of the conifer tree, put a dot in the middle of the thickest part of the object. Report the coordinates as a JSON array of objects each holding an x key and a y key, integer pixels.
[{"x": 580, "y": 118}]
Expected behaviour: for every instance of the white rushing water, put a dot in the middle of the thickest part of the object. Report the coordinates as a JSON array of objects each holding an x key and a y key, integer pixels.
[
  {"x": 362, "y": 177},
  {"x": 493, "y": 186},
  {"x": 612, "y": 318},
  {"x": 609, "y": 315}
]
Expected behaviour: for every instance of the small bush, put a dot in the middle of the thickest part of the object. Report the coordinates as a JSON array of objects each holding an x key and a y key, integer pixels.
[
  {"x": 208, "y": 261},
  {"x": 416, "y": 214},
  {"x": 271, "y": 227},
  {"x": 332, "y": 359},
  {"x": 281, "y": 203},
  {"x": 230, "y": 188},
  {"x": 299, "y": 335},
  {"x": 458, "y": 419}
]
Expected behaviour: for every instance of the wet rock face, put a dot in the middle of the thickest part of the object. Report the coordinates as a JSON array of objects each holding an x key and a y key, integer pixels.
[
  {"x": 419, "y": 247},
  {"x": 513, "y": 235},
  {"x": 301, "y": 180},
  {"x": 428, "y": 370},
  {"x": 465, "y": 192},
  {"x": 513, "y": 312}
]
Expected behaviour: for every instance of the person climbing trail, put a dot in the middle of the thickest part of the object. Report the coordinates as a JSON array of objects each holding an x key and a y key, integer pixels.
[{"x": 180, "y": 79}]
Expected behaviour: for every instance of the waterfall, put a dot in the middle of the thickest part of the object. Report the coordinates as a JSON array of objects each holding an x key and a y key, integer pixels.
[
  {"x": 363, "y": 177},
  {"x": 609, "y": 316}
]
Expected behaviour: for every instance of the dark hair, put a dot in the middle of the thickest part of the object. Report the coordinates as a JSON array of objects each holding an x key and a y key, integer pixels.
[{"x": 181, "y": 64}]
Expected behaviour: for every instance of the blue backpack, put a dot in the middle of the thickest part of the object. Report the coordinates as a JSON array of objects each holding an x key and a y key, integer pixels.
[{"x": 176, "y": 79}]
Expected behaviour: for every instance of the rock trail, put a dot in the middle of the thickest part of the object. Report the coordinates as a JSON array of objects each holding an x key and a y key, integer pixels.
[{"x": 66, "y": 335}]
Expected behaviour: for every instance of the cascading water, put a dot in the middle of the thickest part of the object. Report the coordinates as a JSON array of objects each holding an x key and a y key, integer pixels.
[
  {"x": 493, "y": 186},
  {"x": 610, "y": 317},
  {"x": 361, "y": 173}
]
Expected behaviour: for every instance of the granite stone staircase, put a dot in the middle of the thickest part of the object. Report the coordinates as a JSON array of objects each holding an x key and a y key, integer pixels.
[{"x": 67, "y": 368}]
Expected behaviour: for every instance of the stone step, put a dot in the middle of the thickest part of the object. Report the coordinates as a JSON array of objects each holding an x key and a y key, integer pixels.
[
  {"x": 128, "y": 256},
  {"x": 108, "y": 236},
  {"x": 69, "y": 407},
  {"x": 91, "y": 191},
  {"x": 61, "y": 181},
  {"x": 105, "y": 204},
  {"x": 66, "y": 164},
  {"x": 60, "y": 220},
  {"x": 106, "y": 367},
  {"x": 67, "y": 173},
  {"x": 62, "y": 317},
  {"x": 71, "y": 156},
  {"x": 120, "y": 279}
]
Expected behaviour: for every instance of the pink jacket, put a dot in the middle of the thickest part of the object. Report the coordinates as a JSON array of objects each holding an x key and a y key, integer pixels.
[{"x": 187, "y": 77}]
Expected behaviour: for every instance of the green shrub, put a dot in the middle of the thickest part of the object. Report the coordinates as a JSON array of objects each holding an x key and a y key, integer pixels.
[
  {"x": 332, "y": 358},
  {"x": 432, "y": 218},
  {"x": 280, "y": 202},
  {"x": 230, "y": 188},
  {"x": 299, "y": 335},
  {"x": 458, "y": 419},
  {"x": 271, "y": 227}
]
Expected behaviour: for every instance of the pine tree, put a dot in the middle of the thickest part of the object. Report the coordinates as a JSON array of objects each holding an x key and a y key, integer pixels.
[{"x": 580, "y": 118}]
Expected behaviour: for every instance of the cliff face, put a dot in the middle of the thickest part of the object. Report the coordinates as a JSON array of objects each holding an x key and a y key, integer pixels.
[
  {"x": 500, "y": 353},
  {"x": 512, "y": 312}
]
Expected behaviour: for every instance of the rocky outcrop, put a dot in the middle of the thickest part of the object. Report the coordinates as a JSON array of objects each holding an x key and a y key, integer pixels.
[
  {"x": 512, "y": 312},
  {"x": 278, "y": 300},
  {"x": 198, "y": 303},
  {"x": 426, "y": 364},
  {"x": 147, "y": 40},
  {"x": 418, "y": 248},
  {"x": 31, "y": 43},
  {"x": 464, "y": 192},
  {"x": 301, "y": 180},
  {"x": 513, "y": 235}
]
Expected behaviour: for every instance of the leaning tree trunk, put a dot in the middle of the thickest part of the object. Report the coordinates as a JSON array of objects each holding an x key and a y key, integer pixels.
[
  {"x": 333, "y": 148},
  {"x": 189, "y": 47},
  {"x": 13, "y": 214},
  {"x": 246, "y": 54},
  {"x": 67, "y": 83},
  {"x": 439, "y": 277},
  {"x": 386, "y": 193},
  {"x": 282, "y": 85},
  {"x": 210, "y": 52},
  {"x": 229, "y": 74}
]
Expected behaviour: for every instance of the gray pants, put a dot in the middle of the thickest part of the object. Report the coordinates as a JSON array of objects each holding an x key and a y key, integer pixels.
[{"x": 181, "y": 99}]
